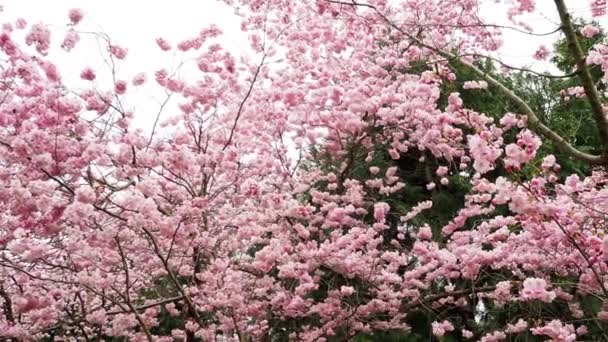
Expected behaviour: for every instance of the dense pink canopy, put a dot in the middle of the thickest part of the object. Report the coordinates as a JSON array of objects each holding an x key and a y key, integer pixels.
[{"x": 214, "y": 217}]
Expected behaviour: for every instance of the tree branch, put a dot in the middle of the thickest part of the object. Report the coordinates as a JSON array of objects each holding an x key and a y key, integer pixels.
[
  {"x": 534, "y": 122},
  {"x": 585, "y": 75}
]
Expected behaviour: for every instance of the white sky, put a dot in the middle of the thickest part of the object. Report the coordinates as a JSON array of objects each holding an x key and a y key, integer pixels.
[
  {"x": 518, "y": 48},
  {"x": 137, "y": 23},
  {"x": 132, "y": 24}
]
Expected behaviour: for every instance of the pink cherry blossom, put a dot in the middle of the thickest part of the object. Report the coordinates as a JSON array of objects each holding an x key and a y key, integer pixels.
[
  {"x": 163, "y": 44},
  {"x": 120, "y": 87},
  {"x": 590, "y": 31},
  {"x": 598, "y": 7},
  {"x": 118, "y": 51},
  {"x": 536, "y": 289},
  {"x": 557, "y": 331},
  {"x": 300, "y": 190},
  {"x": 39, "y": 35},
  {"x": 541, "y": 53},
  {"x": 75, "y": 15},
  {"x": 87, "y": 74},
  {"x": 475, "y": 85},
  {"x": 70, "y": 40},
  {"x": 139, "y": 79},
  {"x": 440, "y": 328}
]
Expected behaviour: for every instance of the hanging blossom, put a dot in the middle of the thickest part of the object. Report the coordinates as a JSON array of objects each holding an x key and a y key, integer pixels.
[
  {"x": 598, "y": 7},
  {"x": 535, "y": 289},
  {"x": 557, "y": 331},
  {"x": 589, "y": 31},
  {"x": 75, "y": 15}
]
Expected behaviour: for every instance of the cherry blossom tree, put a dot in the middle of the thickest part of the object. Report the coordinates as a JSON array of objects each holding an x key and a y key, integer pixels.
[{"x": 297, "y": 194}]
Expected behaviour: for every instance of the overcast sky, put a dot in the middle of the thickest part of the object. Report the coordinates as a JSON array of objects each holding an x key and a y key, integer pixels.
[
  {"x": 132, "y": 24},
  {"x": 136, "y": 23}
]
